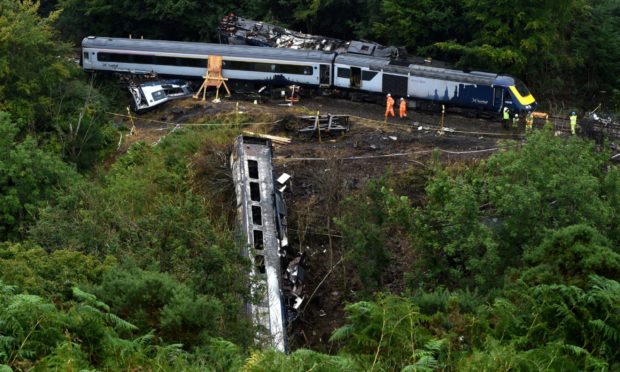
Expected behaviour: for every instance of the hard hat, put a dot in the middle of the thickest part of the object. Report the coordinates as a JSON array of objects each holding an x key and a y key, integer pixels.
[
  {"x": 389, "y": 95},
  {"x": 573, "y": 113},
  {"x": 402, "y": 99},
  {"x": 516, "y": 115}
]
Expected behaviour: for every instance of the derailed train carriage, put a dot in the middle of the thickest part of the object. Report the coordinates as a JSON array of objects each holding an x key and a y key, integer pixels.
[
  {"x": 261, "y": 215},
  {"x": 247, "y": 66}
]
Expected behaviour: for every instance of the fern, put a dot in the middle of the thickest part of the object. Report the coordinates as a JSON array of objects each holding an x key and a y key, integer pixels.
[
  {"x": 119, "y": 324},
  {"x": 90, "y": 299},
  {"x": 424, "y": 364},
  {"x": 435, "y": 345},
  {"x": 609, "y": 332},
  {"x": 341, "y": 333}
]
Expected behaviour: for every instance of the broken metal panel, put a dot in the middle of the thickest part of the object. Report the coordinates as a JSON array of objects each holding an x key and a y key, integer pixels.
[
  {"x": 147, "y": 95},
  {"x": 259, "y": 218},
  {"x": 237, "y": 30},
  {"x": 368, "y": 48},
  {"x": 293, "y": 283}
]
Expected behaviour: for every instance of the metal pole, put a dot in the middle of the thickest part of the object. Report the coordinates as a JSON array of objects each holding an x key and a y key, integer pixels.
[
  {"x": 317, "y": 122},
  {"x": 443, "y": 113},
  {"x": 237, "y": 115}
]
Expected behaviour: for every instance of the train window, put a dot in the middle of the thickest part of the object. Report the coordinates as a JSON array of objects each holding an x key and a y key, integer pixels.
[
  {"x": 254, "y": 191},
  {"x": 257, "y": 216},
  {"x": 85, "y": 55},
  {"x": 521, "y": 88},
  {"x": 144, "y": 60},
  {"x": 159, "y": 95},
  {"x": 253, "y": 169},
  {"x": 259, "y": 262},
  {"x": 193, "y": 62},
  {"x": 368, "y": 75},
  {"x": 113, "y": 57},
  {"x": 295, "y": 70},
  {"x": 258, "y": 240},
  {"x": 168, "y": 61},
  {"x": 103, "y": 57},
  {"x": 124, "y": 58},
  {"x": 344, "y": 73},
  {"x": 267, "y": 67}
]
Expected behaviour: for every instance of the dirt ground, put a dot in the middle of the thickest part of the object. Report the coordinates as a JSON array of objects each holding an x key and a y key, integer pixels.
[{"x": 323, "y": 173}]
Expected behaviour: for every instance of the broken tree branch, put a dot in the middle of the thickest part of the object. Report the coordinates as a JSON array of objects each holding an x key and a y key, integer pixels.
[{"x": 321, "y": 283}]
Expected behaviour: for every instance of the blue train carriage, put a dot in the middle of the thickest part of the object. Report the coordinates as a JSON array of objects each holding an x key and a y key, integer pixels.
[
  {"x": 241, "y": 63},
  {"x": 432, "y": 86}
]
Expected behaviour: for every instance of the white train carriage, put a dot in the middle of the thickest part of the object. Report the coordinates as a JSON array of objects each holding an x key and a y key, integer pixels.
[
  {"x": 259, "y": 218},
  {"x": 186, "y": 59}
]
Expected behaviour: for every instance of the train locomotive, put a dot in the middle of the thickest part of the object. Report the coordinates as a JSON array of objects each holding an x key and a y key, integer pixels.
[{"x": 359, "y": 72}]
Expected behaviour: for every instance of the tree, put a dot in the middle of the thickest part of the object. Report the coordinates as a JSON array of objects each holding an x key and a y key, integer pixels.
[
  {"x": 570, "y": 256},
  {"x": 168, "y": 20},
  {"x": 516, "y": 36},
  {"x": 595, "y": 44},
  {"x": 420, "y": 25},
  {"x": 32, "y": 64},
  {"x": 51, "y": 275},
  {"x": 550, "y": 183},
  {"x": 29, "y": 178},
  {"x": 366, "y": 225}
]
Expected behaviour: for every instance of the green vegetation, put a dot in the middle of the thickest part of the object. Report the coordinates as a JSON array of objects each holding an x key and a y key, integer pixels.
[
  {"x": 533, "y": 230},
  {"x": 133, "y": 264}
]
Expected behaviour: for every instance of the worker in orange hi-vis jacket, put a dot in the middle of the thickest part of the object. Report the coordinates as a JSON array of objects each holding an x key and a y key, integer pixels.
[
  {"x": 403, "y": 108},
  {"x": 389, "y": 107}
]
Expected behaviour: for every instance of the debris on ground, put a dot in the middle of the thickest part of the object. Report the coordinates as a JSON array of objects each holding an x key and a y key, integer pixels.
[
  {"x": 275, "y": 139},
  {"x": 333, "y": 124}
]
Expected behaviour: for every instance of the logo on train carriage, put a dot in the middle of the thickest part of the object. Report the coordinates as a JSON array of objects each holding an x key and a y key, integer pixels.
[{"x": 479, "y": 101}]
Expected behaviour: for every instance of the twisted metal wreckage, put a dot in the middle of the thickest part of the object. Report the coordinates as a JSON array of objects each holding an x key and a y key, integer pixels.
[
  {"x": 261, "y": 213},
  {"x": 241, "y": 31}
]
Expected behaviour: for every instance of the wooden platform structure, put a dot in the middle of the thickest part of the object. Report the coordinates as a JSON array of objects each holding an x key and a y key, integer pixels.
[{"x": 213, "y": 78}]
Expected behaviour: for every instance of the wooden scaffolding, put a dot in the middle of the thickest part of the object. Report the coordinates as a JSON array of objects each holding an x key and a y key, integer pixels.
[{"x": 213, "y": 78}]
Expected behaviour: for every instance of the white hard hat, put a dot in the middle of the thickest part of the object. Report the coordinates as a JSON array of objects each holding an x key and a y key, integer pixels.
[
  {"x": 402, "y": 99},
  {"x": 389, "y": 95}
]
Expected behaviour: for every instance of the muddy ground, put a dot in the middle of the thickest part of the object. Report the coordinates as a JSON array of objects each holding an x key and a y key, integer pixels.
[{"x": 323, "y": 173}]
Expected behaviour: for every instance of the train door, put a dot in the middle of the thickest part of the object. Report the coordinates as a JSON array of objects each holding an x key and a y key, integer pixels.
[
  {"x": 356, "y": 77},
  {"x": 498, "y": 98},
  {"x": 325, "y": 79}
]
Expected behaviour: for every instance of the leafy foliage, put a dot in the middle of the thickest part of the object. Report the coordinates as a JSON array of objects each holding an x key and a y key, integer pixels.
[
  {"x": 389, "y": 334},
  {"x": 512, "y": 263},
  {"x": 29, "y": 178},
  {"x": 49, "y": 274},
  {"x": 570, "y": 256},
  {"x": 365, "y": 235},
  {"x": 144, "y": 212}
]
